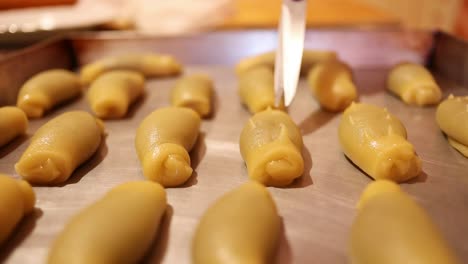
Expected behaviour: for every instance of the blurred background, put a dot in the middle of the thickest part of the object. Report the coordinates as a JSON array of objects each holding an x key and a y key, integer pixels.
[{"x": 24, "y": 21}]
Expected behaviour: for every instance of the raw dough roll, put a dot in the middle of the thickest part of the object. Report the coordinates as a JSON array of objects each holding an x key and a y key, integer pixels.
[
  {"x": 391, "y": 228},
  {"x": 13, "y": 122},
  {"x": 111, "y": 94},
  {"x": 309, "y": 59},
  {"x": 452, "y": 118},
  {"x": 163, "y": 141},
  {"x": 256, "y": 89},
  {"x": 271, "y": 145},
  {"x": 47, "y": 89},
  {"x": 119, "y": 228},
  {"x": 332, "y": 84},
  {"x": 195, "y": 92},
  {"x": 59, "y": 147},
  {"x": 17, "y": 199},
  {"x": 241, "y": 227},
  {"x": 414, "y": 84},
  {"x": 150, "y": 65},
  {"x": 375, "y": 140}
]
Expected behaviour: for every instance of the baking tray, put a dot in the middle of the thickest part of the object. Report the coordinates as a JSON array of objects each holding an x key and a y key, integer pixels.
[{"x": 317, "y": 210}]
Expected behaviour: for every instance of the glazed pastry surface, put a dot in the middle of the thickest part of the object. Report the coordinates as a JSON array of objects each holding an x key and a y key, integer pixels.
[
  {"x": 332, "y": 84},
  {"x": 309, "y": 59},
  {"x": 375, "y": 140},
  {"x": 256, "y": 89},
  {"x": 47, "y": 89},
  {"x": 271, "y": 146},
  {"x": 17, "y": 199},
  {"x": 195, "y": 92},
  {"x": 414, "y": 84},
  {"x": 150, "y": 65},
  {"x": 240, "y": 227},
  {"x": 13, "y": 122},
  {"x": 163, "y": 142},
  {"x": 391, "y": 228},
  {"x": 452, "y": 118},
  {"x": 111, "y": 94},
  {"x": 59, "y": 147},
  {"x": 118, "y": 228}
]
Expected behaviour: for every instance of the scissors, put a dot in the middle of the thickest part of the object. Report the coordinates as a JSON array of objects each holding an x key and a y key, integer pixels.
[{"x": 291, "y": 31}]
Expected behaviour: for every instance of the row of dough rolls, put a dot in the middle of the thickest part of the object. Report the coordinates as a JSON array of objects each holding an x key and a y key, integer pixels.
[
  {"x": 242, "y": 226},
  {"x": 114, "y": 84},
  {"x": 148, "y": 64},
  {"x": 329, "y": 79}
]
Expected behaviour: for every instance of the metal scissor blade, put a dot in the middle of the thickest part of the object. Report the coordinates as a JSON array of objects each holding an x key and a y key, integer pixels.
[{"x": 291, "y": 31}]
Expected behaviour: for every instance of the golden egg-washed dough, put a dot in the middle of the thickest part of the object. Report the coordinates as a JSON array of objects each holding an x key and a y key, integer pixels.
[
  {"x": 119, "y": 228},
  {"x": 17, "y": 199},
  {"x": 47, "y": 89},
  {"x": 391, "y": 228},
  {"x": 414, "y": 84},
  {"x": 163, "y": 142},
  {"x": 13, "y": 122},
  {"x": 240, "y": 227},
  {"x": 271, "y": 146},
  {"x": 332, "y": 84},
  {"x": 452, "y": 118},
  {"x": 150, "y": 65},
  {"x": 59, "y": 147},
  {"x": 256, "y": 89},
  {"x": 195, "y": 92},
  {"x": 375, "y": 140},
  {"x": 111, "y": 94},
  {"x": 309, "y": 59}
]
